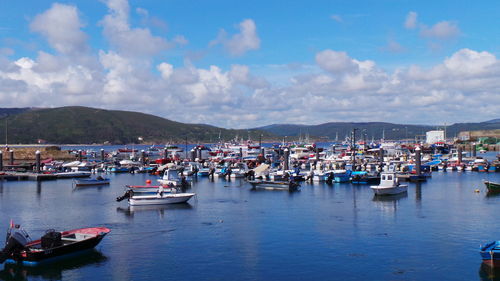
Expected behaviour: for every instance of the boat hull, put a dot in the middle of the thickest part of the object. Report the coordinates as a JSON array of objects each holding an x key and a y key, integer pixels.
[
  {"x": 36, "y": 255},
  {"x": 274, "y": 185},
  {"x": 378, "y": 190},
  {"x": 160, "y": 200},
  {"x": 490, "y": 253},
  {"x": 91, "y": 182},
  {"x": 492, "y": 186}
]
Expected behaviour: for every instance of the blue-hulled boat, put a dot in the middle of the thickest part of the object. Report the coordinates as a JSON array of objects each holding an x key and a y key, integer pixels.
[
  {"x": 363, "y": 177},
  {"x": 490, "y": 253},
  {"x": 342, "y": 175}
]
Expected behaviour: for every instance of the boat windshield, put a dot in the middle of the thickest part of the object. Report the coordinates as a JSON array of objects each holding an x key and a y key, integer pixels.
[{"x": 172, "y": 175}]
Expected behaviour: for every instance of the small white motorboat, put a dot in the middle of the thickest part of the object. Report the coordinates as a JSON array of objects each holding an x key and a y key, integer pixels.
[
  {"x": 159, "y": 198},
  {"x": 389, "y": 185}
]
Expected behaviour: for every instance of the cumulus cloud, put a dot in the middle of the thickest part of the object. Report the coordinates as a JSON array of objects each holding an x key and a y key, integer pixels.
[
  {"x": 61, "y": 26},
  {"x": 240, "y": 43},
  {"x": 411, "y": 20},
  {"x": 128, "y": 40},
  {"x": 335, "y": 62},
  {"x": 443, "y": 30}
]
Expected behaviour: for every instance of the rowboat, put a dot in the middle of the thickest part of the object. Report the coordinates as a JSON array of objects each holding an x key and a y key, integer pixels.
[
  {"x": 492, "y": 186},
  {"x": 89, "y": 182},
  {"x": 51, "y": 246}
]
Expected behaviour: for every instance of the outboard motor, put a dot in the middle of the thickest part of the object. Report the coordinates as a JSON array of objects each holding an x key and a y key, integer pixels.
[
  {"x": 126, "y": 195},
  {"x": 16, "y": 239}
]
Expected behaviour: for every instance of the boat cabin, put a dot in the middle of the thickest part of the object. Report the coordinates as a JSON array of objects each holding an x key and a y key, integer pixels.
[{"x": 389, "y": 179}]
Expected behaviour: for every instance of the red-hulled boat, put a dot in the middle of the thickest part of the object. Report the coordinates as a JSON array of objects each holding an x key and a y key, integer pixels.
[{"x": 53, "y": 245}]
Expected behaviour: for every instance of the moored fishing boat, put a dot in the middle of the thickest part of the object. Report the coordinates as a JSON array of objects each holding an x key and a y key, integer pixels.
[
  {"x": 389, "y": 185},
  {"x": 53, "y": 245}
]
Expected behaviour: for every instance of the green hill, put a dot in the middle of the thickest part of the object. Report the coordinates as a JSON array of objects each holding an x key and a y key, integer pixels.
[{"x": 83, "y": 125}]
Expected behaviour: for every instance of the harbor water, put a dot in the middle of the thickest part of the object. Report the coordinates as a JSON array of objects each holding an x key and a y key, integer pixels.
[{"x": 230, "y": 232}]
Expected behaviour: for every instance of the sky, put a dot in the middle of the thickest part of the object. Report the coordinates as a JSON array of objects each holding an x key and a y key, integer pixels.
[{"x": 244, "y": 64}]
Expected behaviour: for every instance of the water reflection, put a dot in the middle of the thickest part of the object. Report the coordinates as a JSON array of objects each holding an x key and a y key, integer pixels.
[
  {"x": 38, "y": 188},
  {"x": 489, "y": 273},
  {"x": 492, "y": 194},
  {"x": 389, "y": 203},
  {"x": 52, "y": 271},
  {"x": 160, "y": 209},
  {"x": 89, "y": 187},
  {"x": 418, "y": 193}
]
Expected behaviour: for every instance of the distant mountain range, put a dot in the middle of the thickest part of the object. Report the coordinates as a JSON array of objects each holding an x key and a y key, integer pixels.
[
  {"x": 375, "y": 130},
  {"x": 84, "y": 125}
]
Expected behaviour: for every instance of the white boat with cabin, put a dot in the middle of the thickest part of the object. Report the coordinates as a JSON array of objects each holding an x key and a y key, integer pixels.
[{"x": 389, "y": 184}]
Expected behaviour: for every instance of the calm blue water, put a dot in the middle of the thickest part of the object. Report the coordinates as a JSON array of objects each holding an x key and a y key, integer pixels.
[{"x": 229, "y": 232}]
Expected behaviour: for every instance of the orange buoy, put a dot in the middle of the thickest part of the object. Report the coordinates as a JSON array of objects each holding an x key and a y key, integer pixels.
[{"x": 148, "y": 181}]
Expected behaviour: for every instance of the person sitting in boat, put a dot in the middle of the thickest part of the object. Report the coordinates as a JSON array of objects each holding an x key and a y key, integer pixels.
[
  {"x": 184, "y": 183},
  {"x": 99, "y": 178}
]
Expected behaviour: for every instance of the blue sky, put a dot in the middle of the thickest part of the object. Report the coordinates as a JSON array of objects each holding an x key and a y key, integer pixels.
[{"x": 243, "y": 64}]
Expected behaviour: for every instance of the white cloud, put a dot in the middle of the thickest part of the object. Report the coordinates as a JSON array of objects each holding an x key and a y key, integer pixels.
[
  {"x": 240, "y": 43},
  {"x": 335, "y": 62},
  {"x": 337, "y": 18},
  {"x": 411, "y": 20},
  {"x": 61, "y": 26},
  {"x": 337, "y": 87},
  {"x": 443, "y": 30},
  {"x": 166, "y": 70},
  {"x": 130, "y": 41}
]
